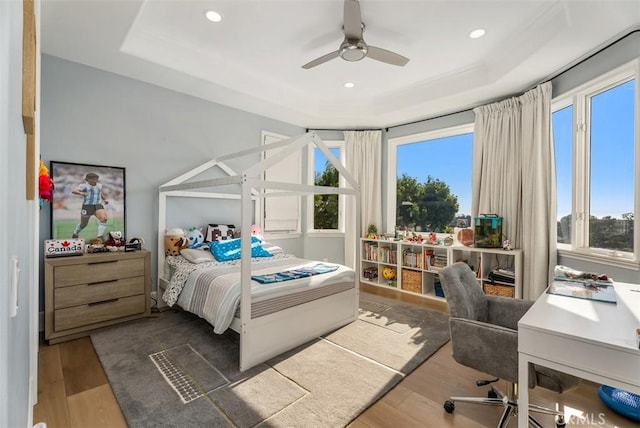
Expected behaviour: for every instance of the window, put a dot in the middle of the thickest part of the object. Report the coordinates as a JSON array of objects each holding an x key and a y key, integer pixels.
[
  {"x": 430, "y": 180},
  {"x": 281, "y": 214},
  {"x": 596, "y": 150},
  {"x": 562, "y": 120},
  {"x": 324, "y": 212}
]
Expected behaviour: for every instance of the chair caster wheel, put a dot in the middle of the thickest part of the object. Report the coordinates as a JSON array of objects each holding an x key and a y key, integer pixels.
[
  {"x": 449, "y": 407},
  {"x": 492, "y": 394}
]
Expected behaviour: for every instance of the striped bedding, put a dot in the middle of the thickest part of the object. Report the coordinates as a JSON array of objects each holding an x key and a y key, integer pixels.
[{"x": 213, "y": 291}]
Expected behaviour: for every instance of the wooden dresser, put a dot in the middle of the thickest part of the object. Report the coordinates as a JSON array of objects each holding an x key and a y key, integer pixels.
[{"x": 83, "y": 293}]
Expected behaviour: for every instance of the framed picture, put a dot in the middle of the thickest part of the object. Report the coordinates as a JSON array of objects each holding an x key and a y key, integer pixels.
[{"x": 88, "y": 200}]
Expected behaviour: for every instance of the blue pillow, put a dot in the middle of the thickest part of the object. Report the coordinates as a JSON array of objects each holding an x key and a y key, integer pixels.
[{"x": 230, "y": 249}]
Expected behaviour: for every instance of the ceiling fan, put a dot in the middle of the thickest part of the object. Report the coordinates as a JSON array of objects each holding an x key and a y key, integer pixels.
[{"x": 354, "y": 48}]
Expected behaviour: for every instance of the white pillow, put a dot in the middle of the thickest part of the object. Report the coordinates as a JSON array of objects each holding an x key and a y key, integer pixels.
[
  {"x": 197, "y": 256},
  {"x": 272, "y": 248}
]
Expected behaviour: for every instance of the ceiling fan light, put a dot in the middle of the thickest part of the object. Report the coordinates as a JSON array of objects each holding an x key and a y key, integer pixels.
[
  {"x": 352, "y": 53},
  {"x": 213, "y": 16}
]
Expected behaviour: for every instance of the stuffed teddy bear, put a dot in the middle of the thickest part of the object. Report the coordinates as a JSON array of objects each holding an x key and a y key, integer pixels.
[
  {"x": 174, "y": 241},
  {"x": 115, "y": 241}
]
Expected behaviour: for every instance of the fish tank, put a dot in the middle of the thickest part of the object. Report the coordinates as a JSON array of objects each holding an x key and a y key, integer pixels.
[{"x": 487, "y": 231}]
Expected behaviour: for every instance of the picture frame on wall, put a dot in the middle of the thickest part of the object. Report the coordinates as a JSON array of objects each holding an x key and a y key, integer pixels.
[{"x": 89, "y": 201}]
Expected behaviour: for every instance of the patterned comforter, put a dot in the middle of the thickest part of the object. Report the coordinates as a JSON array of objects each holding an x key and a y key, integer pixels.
[{"x": 212, "y": 290}]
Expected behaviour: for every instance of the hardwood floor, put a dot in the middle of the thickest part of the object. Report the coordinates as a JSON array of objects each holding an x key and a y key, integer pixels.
[{"x": 73, "y": 391}]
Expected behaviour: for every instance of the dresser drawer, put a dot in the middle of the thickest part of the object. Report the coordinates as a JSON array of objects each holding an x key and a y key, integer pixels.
[
  {"x": 74, "y": 295},
  {"x": 99, "y": 271},
  {"x": 92, "y": 313}
]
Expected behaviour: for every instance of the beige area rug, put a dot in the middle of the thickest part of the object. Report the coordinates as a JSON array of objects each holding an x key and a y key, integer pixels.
[{"x": 174, "y": 371}]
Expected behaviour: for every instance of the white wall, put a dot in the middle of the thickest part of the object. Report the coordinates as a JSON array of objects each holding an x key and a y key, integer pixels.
[{"x": 16, "y": 226}]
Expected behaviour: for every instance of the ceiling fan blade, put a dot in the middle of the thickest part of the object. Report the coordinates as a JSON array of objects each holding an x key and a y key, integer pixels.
[
  {"x": 352, "y": 19},
  {"x": 322, "y": 59},
  {"x": 386, "y": 56}
]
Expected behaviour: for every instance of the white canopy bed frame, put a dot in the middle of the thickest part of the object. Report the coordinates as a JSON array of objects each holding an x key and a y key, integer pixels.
[{"x": 267, "y": 336}]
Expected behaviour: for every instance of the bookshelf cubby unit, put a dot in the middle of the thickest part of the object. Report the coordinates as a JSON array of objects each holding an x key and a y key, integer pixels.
[{"x": 416, "y": 266}]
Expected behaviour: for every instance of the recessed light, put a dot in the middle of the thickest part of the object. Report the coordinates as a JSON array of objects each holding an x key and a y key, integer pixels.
[
  {"x": 349, "y": 85},
  {"x": 213, "y": 16},
  {"x": 476, "y": 34}
]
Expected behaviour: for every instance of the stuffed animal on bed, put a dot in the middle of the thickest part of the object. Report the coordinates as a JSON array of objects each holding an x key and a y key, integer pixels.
[
  {"x": 174, "y": 241},
  {"x": 256, "y": 231},
  {"x": 195, "y": 238},
  {"x": 220, "y": 232}
]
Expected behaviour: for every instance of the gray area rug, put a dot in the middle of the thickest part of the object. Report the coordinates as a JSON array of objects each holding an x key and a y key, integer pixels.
[{"x": 173, "y": 370}]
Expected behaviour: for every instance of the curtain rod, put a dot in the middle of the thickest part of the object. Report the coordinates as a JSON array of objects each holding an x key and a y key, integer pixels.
[
  {"x": 547, "y": 79},
  {"x": 329, "y": 129}
]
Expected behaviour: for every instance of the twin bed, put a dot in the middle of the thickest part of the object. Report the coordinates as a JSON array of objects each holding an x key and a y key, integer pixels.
[{"x": 275, "y": 303}]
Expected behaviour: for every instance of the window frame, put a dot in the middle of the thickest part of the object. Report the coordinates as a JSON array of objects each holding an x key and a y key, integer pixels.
[
  {"x": 273, "y": 234},
  {"x": 392, "y": 160},
  {"x": 580, "y": 98},
  {"x": 311, "y": 230}
]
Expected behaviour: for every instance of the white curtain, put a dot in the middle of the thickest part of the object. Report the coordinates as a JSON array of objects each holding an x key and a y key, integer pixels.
[
  {"x": 514, "y": 176},
  {"x": 363, "y": 158}
]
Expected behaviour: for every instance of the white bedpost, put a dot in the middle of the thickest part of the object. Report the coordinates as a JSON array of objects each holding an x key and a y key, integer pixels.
[
  {"x": 162, "y": 225},
  {"x": 245, "y": 274}
]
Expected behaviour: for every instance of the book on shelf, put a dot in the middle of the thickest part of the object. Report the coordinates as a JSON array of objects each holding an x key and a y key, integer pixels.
[
  {"x": 370, "y": 252},
  {"x": 388, "y": 255},
  {"x": 412, "y": 259},
  {"x": 501, "y": 275},
  {"x": 437, "y": 261}
]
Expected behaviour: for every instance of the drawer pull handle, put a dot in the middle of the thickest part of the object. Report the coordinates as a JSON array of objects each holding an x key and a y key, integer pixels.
[
  {"x": 103, "y": 282},
  {"x": 101, "y": 263},
  {"x": 103, "y": 302}
]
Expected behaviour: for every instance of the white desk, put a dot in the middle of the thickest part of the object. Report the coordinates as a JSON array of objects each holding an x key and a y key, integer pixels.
[{"x": 585, "y": 338}]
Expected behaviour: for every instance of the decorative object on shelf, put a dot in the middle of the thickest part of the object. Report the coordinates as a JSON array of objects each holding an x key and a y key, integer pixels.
[
  {"x": 96, "y": 245},
  {"x": 433, "y": 238},
  {"x": 414, "y": 237},
  {"x": 115, "y": 241},
  {"x": 448, "y": 241},
  {"x": 63, "y": 247},
  {"x": 487, "y": 231},
  {"x": 506, "y": 245},
  {"x": 465, "y": 237},
  {"x": 134, "y": 244},
  {"x": 372, "y": 230},
  {"x": 388, "y": 273},
  {"x": 370, "y": 273}
]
